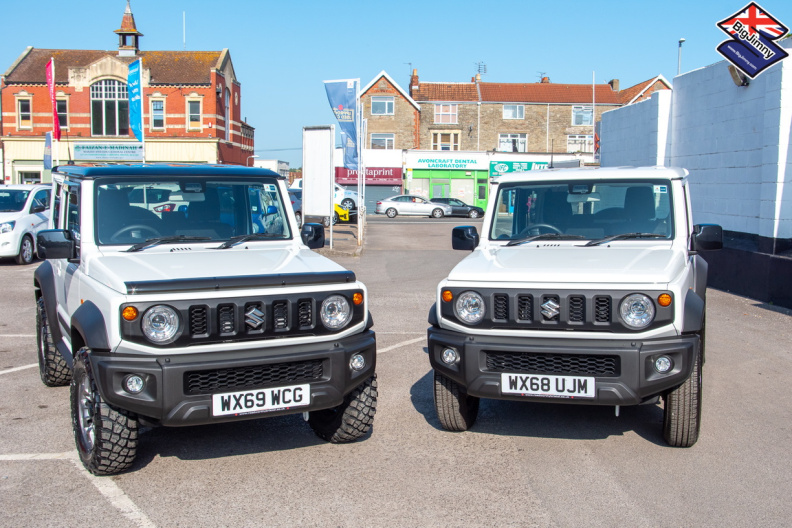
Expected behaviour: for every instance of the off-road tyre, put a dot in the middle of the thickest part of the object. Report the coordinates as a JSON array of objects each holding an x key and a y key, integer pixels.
[
  {"x": 298, "y": 216},
  {"x": 25, "y": 255},
  {"x": 106, "y": 437},
  {"x": 437, "y": 213},
  {"x": 53, "y": 368},
  {"x": 682, "y": 412},
  {"x": 391, "y": 213},
  {"x": 456, "y": 410},
  {"x": 352, "y": 419}
]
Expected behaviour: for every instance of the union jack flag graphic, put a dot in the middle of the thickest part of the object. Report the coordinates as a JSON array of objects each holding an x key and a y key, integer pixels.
[
  {"x": 753, "y": 18},
  {"x": 752, "y": 34}
]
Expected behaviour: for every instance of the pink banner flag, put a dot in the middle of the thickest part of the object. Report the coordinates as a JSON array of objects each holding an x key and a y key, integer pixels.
[{"x": 56, "y": 133}]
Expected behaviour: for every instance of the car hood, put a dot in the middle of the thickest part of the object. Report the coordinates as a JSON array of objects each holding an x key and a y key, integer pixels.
[
  {"x": 550, "y": 263},
  {"x": 167, "y": 263},
  {"x": 10, "y": 217}
]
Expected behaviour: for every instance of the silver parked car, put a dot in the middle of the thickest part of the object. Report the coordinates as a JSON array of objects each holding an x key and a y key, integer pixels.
[{"x": 408, "y": 204}]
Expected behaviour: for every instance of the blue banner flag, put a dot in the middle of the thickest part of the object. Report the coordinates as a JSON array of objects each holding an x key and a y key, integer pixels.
[
  {"x": 48, "y": 151},
  {"x": 135, "y": 100},
  {"x": 342, "y": 96}
]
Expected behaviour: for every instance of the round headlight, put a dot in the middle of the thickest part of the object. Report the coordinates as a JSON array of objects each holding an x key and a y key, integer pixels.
[
  {"x": 335, "y": 312},
  {"x": 637, "y": 310},
  {"x": 161, "y": 324},
  {"x": 469, "y": 307}
]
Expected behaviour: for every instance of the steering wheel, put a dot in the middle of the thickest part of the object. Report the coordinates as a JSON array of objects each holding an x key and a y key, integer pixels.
[
  {"x": 132, "y": 227},
  {"x": 535, "y": 229}
]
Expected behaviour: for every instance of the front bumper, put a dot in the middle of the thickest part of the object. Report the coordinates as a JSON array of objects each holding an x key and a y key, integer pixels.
[
  {"x": 178, "y": 388},
  {"x": 630, "y": 380}
]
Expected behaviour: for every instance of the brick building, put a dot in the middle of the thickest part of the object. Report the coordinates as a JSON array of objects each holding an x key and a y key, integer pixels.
[
  {"x": 191, "y": 107},
  {"x": 518, "y": 117}
]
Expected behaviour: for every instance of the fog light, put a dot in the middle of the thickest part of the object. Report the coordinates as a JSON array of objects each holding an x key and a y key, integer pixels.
[
  {"x": 357, "y": 362},
  {"x": 663, "y": 364},
  {"x": 449, "y": 356},
  {"x": 134, "y": 384}
]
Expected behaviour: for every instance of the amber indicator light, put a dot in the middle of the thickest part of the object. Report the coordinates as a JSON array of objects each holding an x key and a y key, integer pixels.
[
  {"x": 447, "y": 296},
  {"x": 129, "y": 313},
  {"x": 357, "y": 298},
  {"x": 664, "y": 300}
]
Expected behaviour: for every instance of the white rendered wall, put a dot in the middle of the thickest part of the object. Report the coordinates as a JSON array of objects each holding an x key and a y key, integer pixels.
[{"x": 735, "y": 141}]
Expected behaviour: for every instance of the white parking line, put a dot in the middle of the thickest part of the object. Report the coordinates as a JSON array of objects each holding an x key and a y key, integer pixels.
[
  {"x": 403, "y": 343},
  {"x": 105, "y": 485},
  {"x": 24, "y": 367}
]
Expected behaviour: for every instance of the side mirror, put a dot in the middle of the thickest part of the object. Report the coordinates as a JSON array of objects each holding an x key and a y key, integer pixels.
[
  {"x": 37, "y": 209},
  {"x": 706, "y": 237},
  {"x": 465, "y": 238},
  {"x": 313, "y": 235},
  {"x": 271, "y": 209},
  {"x": 55, "y": 244}
]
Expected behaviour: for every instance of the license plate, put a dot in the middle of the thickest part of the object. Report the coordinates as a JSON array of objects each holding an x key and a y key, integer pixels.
[
  {"x": 261, "y": 400},
  {"x": 550, "y": 386}
]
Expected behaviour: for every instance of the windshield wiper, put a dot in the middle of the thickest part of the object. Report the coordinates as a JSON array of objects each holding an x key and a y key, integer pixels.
[
  {"x": 623, "y": 236},
  {"x": 545, "y": 236},
  {"x": 244, "y": 238},
  {"x": 151, "y": 242}
]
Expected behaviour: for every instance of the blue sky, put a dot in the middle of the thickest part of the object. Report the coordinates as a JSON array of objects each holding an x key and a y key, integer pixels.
[{"x": 282, "y": 51}]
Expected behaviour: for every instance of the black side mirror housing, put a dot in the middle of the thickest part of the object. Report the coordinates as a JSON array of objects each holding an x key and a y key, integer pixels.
[
  {"x": 37, "y": 209},
  {"x": 464, "y": 238},
  {"x": 313, "y": 235},
  {"x": 706, "y": 237},
  {"x": 56, "y": 244}
]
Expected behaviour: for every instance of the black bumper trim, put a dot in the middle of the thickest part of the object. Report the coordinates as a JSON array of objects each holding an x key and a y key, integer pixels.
[
  {"x": 635, "y": 383},
  {"x": 163, "y": 401}
]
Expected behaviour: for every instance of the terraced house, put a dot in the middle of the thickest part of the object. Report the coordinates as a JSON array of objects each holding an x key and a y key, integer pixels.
[
  {"x": 518, "y": 117},
  {"x": 191, "y": 108}
]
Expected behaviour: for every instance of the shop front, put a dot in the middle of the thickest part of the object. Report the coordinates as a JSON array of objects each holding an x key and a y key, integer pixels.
[
  {"x": 463, "y": 175},
  {"x": 381, "y": 182}
]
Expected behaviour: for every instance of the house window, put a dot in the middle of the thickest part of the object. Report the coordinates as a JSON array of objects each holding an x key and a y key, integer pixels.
[
  {"x": 381, "y": 105},
  {"x": 446, "y": 113},
  {"x": 63, "y": 113},
  {"x": 382, "y": 141},
  {"x": 582, "y": 115},
  {"x": 580, "y": 143},
  {"x": 109, "y": 108},
  {"x": 194, "y": 111},
  {"x": 158, "y": 114},
  {"x": 513, "y": 111},
  {"x": 512, "y": 142},
  {"x": 24, "y": 113},
  {"x": 445, "y": 140}
]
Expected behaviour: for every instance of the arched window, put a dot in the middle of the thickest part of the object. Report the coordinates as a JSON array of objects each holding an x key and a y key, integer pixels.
[{"x": 109, "y": 108}]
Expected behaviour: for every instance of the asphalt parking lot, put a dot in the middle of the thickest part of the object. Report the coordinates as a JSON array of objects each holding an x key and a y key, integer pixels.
[{"x": 521, "y": 464}]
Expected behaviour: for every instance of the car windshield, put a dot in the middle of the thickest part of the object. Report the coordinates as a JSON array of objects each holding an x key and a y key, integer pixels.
[
  {"x": 12, "y": 200},
  {"x": 183, "y": 209},
  {"x": 590, "y": 210}
]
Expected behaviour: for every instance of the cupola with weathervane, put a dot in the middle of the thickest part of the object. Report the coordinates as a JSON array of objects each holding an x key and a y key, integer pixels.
[{"x": 128, "y": 35}]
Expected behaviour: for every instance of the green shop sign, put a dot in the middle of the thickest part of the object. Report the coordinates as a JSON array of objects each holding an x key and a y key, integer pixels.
[{"x": 499, "y": 168}]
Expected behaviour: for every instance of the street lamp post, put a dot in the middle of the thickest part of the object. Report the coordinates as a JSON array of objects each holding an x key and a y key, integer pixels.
[
  {"x": 248, "y": 159},
  {"x": 679, "y": 57}
]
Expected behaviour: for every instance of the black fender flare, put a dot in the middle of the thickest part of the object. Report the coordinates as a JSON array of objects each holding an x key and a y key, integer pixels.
[
  {"x": 701, "y": 268},
  {"x": 44, "y": 284},
  {"x": 693, "y": 319},
  {"x": 89, "y": 322},
  {"x": 432, "y": 319}
]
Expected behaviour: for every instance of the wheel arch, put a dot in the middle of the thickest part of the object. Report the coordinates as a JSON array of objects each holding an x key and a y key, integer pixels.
[
  {"x": 89, "y": 328},
  {"x": 44, "y": 287}
]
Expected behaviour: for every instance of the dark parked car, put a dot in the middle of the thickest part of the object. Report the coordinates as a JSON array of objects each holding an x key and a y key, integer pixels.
[{"x": 460, "y": 208}]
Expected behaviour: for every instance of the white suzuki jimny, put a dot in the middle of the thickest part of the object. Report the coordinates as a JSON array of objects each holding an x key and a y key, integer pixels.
[
  {"x": 584, "y": 287},
  {"x": 178, "y": 295}
]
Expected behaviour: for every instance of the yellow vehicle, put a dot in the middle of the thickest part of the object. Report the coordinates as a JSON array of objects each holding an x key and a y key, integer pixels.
[{"x": 339, "y": 215}]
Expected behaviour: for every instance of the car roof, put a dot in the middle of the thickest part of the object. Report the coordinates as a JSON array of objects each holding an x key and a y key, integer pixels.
[
  {"x": 25, "y": 186},
  {"x": 600, "y": 173},
  {"x": 91, "y": 171}
]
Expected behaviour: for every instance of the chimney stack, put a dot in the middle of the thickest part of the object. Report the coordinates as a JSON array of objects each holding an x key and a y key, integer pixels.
[
  {"x": 614, "y": 84},
  {"x": 546, "y": 80},
  {"x": 414, "y": 83}
]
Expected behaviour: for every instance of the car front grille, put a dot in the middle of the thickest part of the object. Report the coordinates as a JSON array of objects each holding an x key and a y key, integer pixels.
[
  {"x": 567, "y": 364},
  {"x": 251, "y": 377}
]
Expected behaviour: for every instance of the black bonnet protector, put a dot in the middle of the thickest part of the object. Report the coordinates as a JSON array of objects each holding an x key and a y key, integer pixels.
[{"x": 240, "y": 282}]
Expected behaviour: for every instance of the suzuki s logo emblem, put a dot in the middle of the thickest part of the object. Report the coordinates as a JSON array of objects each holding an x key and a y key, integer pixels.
[
  {"x": 550, "y": 309},
  {"x": 254, "y": 318}
]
